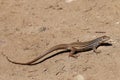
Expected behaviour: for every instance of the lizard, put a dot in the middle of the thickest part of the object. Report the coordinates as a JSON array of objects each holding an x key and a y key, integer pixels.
[{"x": 73, "y": 47}]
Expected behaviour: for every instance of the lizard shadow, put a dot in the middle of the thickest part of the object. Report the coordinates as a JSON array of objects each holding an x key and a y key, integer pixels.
[
  {"x": 106, "y": 44},
  {"x": 65, "y": 51}
]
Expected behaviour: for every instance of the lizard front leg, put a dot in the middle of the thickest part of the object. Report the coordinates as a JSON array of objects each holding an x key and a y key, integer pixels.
[
  {"x": 95, "y": 50},
  {"x": 72, "y": 52}
]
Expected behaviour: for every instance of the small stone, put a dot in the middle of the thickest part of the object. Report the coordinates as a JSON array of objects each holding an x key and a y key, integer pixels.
[{"x": 79, "y": 77}]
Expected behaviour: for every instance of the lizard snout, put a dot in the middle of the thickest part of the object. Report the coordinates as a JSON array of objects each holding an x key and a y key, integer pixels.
[{"x": 111, "y": 41}]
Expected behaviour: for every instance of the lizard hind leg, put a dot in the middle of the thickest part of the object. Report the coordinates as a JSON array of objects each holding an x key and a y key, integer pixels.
[{"x": 72, "y": 52}]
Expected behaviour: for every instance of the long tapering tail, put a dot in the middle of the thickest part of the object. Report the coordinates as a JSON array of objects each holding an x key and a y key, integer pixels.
[{"x": 61, "y": 46}]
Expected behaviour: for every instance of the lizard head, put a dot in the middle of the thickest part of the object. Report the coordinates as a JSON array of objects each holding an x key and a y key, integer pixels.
[{"x": 103, "y": 39}]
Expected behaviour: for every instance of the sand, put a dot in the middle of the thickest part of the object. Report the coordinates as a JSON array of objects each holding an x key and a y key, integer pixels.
[{"x": 30, "y": 27}]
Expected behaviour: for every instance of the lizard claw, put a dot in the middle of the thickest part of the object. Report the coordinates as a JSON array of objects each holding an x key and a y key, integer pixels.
[{"x": 73, "y": 56}]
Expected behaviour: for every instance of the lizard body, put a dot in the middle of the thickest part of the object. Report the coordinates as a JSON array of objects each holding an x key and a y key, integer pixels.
[{"x": 73, "y": 47}]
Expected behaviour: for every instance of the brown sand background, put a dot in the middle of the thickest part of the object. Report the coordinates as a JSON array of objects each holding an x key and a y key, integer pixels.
[{"x": 30, "y": 27}]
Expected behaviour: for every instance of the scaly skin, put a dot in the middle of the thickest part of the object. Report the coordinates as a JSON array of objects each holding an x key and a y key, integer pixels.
[{"x": 73, "y": 47}]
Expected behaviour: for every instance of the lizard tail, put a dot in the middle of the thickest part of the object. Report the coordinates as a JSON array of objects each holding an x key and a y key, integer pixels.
[{"x": 61, "y": 46}]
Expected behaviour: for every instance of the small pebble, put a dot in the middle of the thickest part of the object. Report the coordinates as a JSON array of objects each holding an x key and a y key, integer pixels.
[
  {"x": 117, "y": 22},
  {"x": 79, "y": 77},
  {"x": 68, "y": 1}
]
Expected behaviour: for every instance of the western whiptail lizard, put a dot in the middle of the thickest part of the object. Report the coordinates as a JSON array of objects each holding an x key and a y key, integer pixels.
[{"x": 73, "y": 47}]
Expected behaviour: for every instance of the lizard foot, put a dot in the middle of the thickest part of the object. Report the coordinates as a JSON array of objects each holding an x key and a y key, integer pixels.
[{"x": 74, "y": 56}]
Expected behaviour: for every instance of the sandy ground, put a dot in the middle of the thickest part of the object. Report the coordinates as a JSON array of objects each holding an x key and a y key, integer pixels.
[{"x": 29, "y": 27}]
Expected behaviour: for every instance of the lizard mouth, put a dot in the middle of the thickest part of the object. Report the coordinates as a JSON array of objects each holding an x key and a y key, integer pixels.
[
  {"x": 111, "y": 41},
  {"x": 107, "y": 41}
]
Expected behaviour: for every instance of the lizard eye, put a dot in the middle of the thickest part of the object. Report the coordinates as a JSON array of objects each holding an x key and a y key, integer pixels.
[{"x": 106, "y": 37}]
